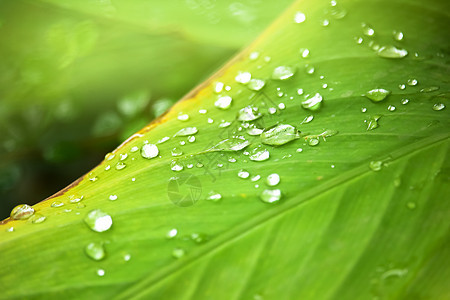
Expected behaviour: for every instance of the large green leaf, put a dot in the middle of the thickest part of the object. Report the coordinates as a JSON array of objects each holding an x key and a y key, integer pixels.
[{"x": 362, "y": 215}]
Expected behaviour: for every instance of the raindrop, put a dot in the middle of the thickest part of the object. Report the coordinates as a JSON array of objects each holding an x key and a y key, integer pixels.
[
  {"x": 178, "y": 253},
  {"x": 270, "y": 196},
  {"x": 313, "y": 141},
  {"x": 402, "y": 86},
  {"x": 279, "y": 135},
  {"x": 438, "y": 106},
  {"x": 259, "y": 154},
  {"x": 273, "y": 179},
  {"x": 101, "y": 272},
  {"x": 175, "y": 166},
  {"x": 10, "y": 229},
  {"x": 123, "y": 156},
  {"x": 299, "y": 17},
  {"x": 107, "y": 168},
  {"x": 218, "y": 87},
  {"x": 149, "y": 151},
  {"x": 405, "y": 101},
  {"x": 313, "y": 103},
  {"x": 120, "y": 166},
  {"x": 134, "y": 149},
  {"x": 164, "y": 139},
  {"x": 391, "y": 52},
  {"x": 243, "y": 77},
  {"x": 363, "y": 109},
  {"x": 75, "y": 198},
  {"x": 372, "y": 123},
  {"x": 272, "y": 110},
  {"x": 391, "y": 108},
  {"x": 183, "y": 117},
  {"x": 191, "y": 139},
  {"x": 254, "y": 55},
  {"x": 367, "y": 30},
  {"x": 254, "y": 131},
  {"x": 300, "y": 91},
  {"x": 57, "y": 204},
  {"x": 281, "y": 106},
  {"x": 224, "y": 124},
  {"x": 172, "y": 233},
  {"x": 307, "y": 120},
  {"x": 176, "y": 152},
  {"x": 255, "y": 178},
  {"x": 210, "y": 121},
  {"x": 377, "y": 95},
  {"x": 95, "y": 251},
  {"x": 256, "y": 84},
  {"x": 412, "y": 82},
  {"x": 243, "y": 174},
  {"x": 223, "y": 102},
  {"x": 232, "y": 144},
  {"x": 398, "y": 35},
  {"x": 249, "y": 113},
  {"x": 187, "y": 131},
  {"x": 112, "y": 197},
  {"x": 37, "y": 218},
  {"x": 299, "y": 150},
  {"x": 283, "y": 73},
  {"x": 375, "y": 165},
  {"x": 214, "y": 196},
  {"x": 98, "y": 220},
  {"x": 309, "y": 69},
  {"x": 92, "y": 177},
  {"x": 304, "y": 52}
]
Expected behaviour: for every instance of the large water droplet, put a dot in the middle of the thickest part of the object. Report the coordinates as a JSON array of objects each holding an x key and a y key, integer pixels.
[
  {"x": 391, "y": 52},
  {"x": 279, "y": 135},
  {"x": 232, "y": 144},
  {"x": 313, "y": 103},
  {"x": 377, "y": 95},
  {"x": 96, "y": 251},
  {"x": 187, "y": 131},
  {"x": 22, "y": 212},
  {"x": 273, "y": 179},
  {"x": 98, "y": 220},
  {"x": 223, "y": 102},
  {"x": 283, "y": 72},
  {"x": 149, "y": 151},
  {"x": 270, "y": 196},
  {"x": 438, "y": 106}
]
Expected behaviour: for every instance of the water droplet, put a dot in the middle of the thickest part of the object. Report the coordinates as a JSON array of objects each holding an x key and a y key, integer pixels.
[
  {"x": 57, "y": 204},
  {"x": 74, "y": 198},
  {"x": 259, "y": 154},
  {"x": 175, "y": 166},
  {"x": 243, "y": 77},
  {"x": 281, "y": 106},
  {"x": 367, "y": 30},
  {"x": 120, "y": 166},
  {"x": 243, "y": 174},
  {"x": 101, "y": 272},
  {"x": 183, "y": 117},
  {"x": 126, "y": 257},
  {"x": 223, "y": 102},
  {"x": 402, "y": 86},
  {"x": 313, "y": 141},
  {"x": 98, "y": 220},
  {"x": 398, "y": 35},
  {"x": 187, "y": 131},
  {"x": 359, "y": 40},
  {"x": 309, "y": 69},
  {"x": 325, "y": 22},
  {"x": 412, "y": 82},
  {"x": 429, "y": 89},
  {"x": 92, "y": 177},
  {"x": 191, "y": 139},
  {"x": 255, "y": 178},
  {"x": 313, "y": 103},
  {"x": 299, "y": 150},
  {"x": 304, "y": 52},
  {"x": 299, "y": 17},
  {"x": 176, "y": 152},
  {"x": 134, "y": 149},
  {"x": 377, "y": 95},
  {"x": 249, "y": 113},
  {"x": 178, "y": 253},
  {"x": 10, "y": 229},
  {"x": 283, "y": 73},
  {"x": 337, "y": 11},
  {"x": 372, "y": 123},
  {"x": 232, "y": 144},
  {"x": 214, "y": 196},
  {"x": 300, "y": 91},
  {"x": 38, "y": 218},
  {"x": 375, "y": 165},
  {"x": 112, "y": 197},
  {"x": 218, "y": 87},
  {"x": 270, "y": 196},
  {"x": 256, "y": 84},
  {"x": 273, "y": 179},
  {"x": 149, "y": 151},
  {"x": 391, "y": 52},
  {"x": 164, "y": 139},
  {"x": 363, "y": 109},
  {"x": 307, "y": 120},
  {"x": 254, "y": 55},
  {"x": 254, "y": 131},
  {"x": 438, "y": 106},
  {"x": 172, "y": 233},
  {"x": 109, "y": 156},
  {"x": 272, "y": 110},
  {"x": 123, "y": 156},
  {"x": 411, "y": 205},
  {"x": 96, "y": 251},
  {"x": 199, "y": 237},
  {"x": 405, "y": 101},
  {"x": 391, "y": 108},
  {"x": 279, "y": 135},
  {"x": 224, "y": 124}
]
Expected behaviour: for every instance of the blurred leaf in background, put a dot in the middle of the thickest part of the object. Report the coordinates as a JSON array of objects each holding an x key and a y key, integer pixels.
[{"x": 78, "y": 77}]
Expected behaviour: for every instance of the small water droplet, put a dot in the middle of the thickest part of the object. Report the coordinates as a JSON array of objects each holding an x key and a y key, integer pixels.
[
  {"x": 74, "y": 198},
  {"x": 429, "y": 89},
  {"x": 273, "y": 179},
  {"x": 243, "y": 77},
  {"x": 299, "y": 17},
  {"x": 375, "y": 165},
  {"x": 283, "y": 73},
  {"x": 126, "y": 257},
  {"x": 304, "y": 52},
  {"x": 313, "y": 141},
  {"x": 149, "y": 151},
  {"x": 214, "y": 196},
  {"x": 405, "y": 101},
  {"x": 183, "y": 117},
  {"x": 120, "y": 166},
  {"x": 172, "y": 233},
  {"x": 254, "y": 131},
  {"x": 176, "y": 152},
  {"x": 255, "y": 178},
  {"x": 270, "y": 196},
  {"x": 249, "y": 113},
  {"x": 101, "y": 272},
  {"x": 325, "y": 22},
  {"x": 363, "y": 109},
  {"x": 256, "y": 84},
  {"x": 95, "y": 251},
  {"x": 254, "y": 55},
  {"x": 271, "y": 110},
  {"x": 279, "y": 135},
  {"x": 38, "y": 218},
  {"x": 367, "y": 30},
  {"x": 224, "y": 124},
  {"x": 438, "y": 106},
  {"x": 232, "y": 144},
  {"x": 134, "y": 149},
  {"x": 164, "y": 139},
  {"x": 175, "y": 166},
  {"x": 309, "y": 69},
  {"x": 377, "y": 95},
  {"x": 223, "y": 102},
  {"x": 178, "y": 253},
  {"x": 199, "y": 237},
  {"x": 10, "y": 229},
  {"x": 398, "y": 35},
  {"x": 281, "y": 106},
  {"x": 313, "y": 103},
  {"x": 57, "y": 204},
  {"x": 259, "y": 154},
  {"x": 123, "y": 156},
  {"x": 109, "y": 156},
  {"x": 372, "y": 123},
  {"x": 92, "y": 177},
  {"x": 299, "y": 150},
  {"x": 402, "y": 86},
  {"x": 98, "y": 220},
  {"x": 307, "y": 119},
  {"x": 243, "y": 174},
  {"x": 191, "y": 139},
  {"x": 112, "y": 197},
  {"x": 412, "y": 82},
  {"x": 391, "y": 52},
  {"x": 218, "y": 87},
  {"x": 187, "y": 131},
  {"x": 391, "y": 108}
]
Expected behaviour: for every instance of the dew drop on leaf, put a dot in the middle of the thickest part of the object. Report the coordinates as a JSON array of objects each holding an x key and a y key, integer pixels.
[
  {"x": 273, "y": 179},
  {"x": 313, "y": 103},
  {"x": 199, "y": 237},
  {"x": 175, "y": 166},
  {"x": 223, "y": 102},
  {"x": 304, "y": 52},
  {"x": 149, "y": 151},
  {"x": 270, "y": 196},
  {"x": 279, "y": 135},
  {"x": 372, "y": 123},
  {"x": 313, "y": 141},
  {"x": 377, "y": 95},
  {"x": 38, "y": 218},
  {"x": 113, "y": 197},
  {"x": 183, "y": 117},
  {"x": 256, "y": 84},
  {"x": 412, "y": 82},
  {"x": 391, "y": 108},
  {"x": 259, "y": 154},
  {"x": 391, "y": 52},
  {"x": 307, "y": 119},
  {"x": 438, "y": 106},
  {"x": 214, "y": 196},
  {"x": 176, "y": 152},
  {"x": 283, "y": 73},
  {"x": 375, "y": 165},
  {"x": 57, "y": 204},
  {"x": 243, "y": 77},
  {"x": 398, "y": 35},
  {"x": 101, "y": 272},
  {"x": 98, "y": 220},
  {"x": 172, "y": 233},
  {"x": 120, "y": 166},
  {"x": 243, "y": 174},
  {"x": 187, "y": 131},
  {"x": 178, "y": 253},
  {"x": 299, "y": 17},
  {"x": 232, "y": 144},
  {"x": 95, "y": 251}
]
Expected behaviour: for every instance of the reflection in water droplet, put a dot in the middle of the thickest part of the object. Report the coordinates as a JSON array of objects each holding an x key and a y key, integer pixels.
[
  {"x": 309, "y": 69},
  {"x": 304, "y": 52},
  {"x": 375, "y": 165},
  {"x": 398, "y": 35},
  {"x": 313, "y": 141},
  {"x": 404, "y": 101},
  {"x": 175, "y": 166},
  {"x": 377, "y": 95},
  {"x": 273, "y": 179},
  {"x": 149, "y": 151},
  {"x": 57, "y": 204},
  {"x": 95, "y": 251},
  {"x": 279, "y": 135},
  {"x": 74, "y": 198},
  {"x": 249, "y": 113},
  {"x": 313, "y": 103},
  {"x": 270, "y": 196},
  {"x": 283, "y": 73},
  {"x": 391, "y": 52},
  {"x": 101, "y": 272},
  {"x": 367, "y": 30},
  {"x": 134, "y": 149},
  {"x": 98, "y": 220}
]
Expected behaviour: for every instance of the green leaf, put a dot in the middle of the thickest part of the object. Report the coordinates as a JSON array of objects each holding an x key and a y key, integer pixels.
[{"x": 362, "y": 211}]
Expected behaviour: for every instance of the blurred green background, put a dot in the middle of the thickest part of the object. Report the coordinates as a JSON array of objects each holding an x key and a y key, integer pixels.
[{"x": 77, "y": 77}]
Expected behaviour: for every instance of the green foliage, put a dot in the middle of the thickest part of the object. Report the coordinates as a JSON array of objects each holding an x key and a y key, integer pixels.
[{"x": 359, "y": 212}]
